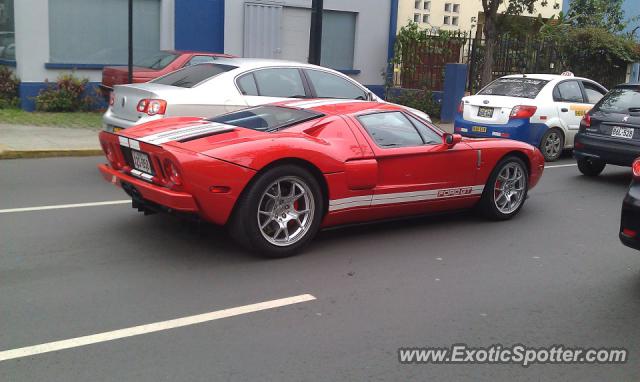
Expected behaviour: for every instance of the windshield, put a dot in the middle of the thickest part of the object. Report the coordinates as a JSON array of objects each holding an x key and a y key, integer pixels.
[
  {"x": 157, "y": 61},
  {"x": 192, "y": 75},
  {"x": 267, "y": 118},
  {"x": 620, "y": 100},
  {"x": 515, "y": 87}
]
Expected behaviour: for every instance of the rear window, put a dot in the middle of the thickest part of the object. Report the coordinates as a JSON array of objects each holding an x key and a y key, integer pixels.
[
  {"x": 156, "y": 61},
  {"x": 267, "y": 118},
  {"x": 515, "y": 87},
  {"x": 620, "y": 100},
  {"x": 193, "y": 75}
]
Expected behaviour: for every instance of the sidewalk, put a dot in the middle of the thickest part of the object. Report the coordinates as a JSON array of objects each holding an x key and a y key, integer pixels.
[{"x": 17, "y": 141}]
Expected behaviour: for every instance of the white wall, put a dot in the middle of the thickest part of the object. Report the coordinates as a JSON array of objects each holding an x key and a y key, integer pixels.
[{"x": 372, "y": 33}]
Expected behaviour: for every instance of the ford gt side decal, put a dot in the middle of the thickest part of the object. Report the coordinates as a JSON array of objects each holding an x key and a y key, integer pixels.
[
  {"x": 185, "y": 133},
  {"x": 404, "y": 197}
]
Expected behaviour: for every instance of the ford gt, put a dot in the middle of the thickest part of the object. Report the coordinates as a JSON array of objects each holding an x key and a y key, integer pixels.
[{"x": 276, "y": 174}]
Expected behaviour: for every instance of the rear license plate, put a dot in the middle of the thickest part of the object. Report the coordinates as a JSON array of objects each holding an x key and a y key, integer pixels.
[
  {"x": 622, "y": 132},
  {"x": 479, "y": 129},
  {"x": 485, "y": 112},
  {"x": 116, "y": 129},
  {"x": 141, "y": 161}
]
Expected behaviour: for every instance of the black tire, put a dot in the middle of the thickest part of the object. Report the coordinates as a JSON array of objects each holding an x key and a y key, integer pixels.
[
  {"x": 245, "y": 227},
  {"x": 552, "y": 144},
  {"x": 590, "y": 166},
  {"x": 488, "y": 206}
]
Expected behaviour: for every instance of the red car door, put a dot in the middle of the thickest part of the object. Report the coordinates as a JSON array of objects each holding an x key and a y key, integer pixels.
[{"x": 417, "y": 172}]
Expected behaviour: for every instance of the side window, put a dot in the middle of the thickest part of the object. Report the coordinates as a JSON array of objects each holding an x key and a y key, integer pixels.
[
  {"x": 569, "y": 91},
  {"x": 195, "y": 60},
  {"x": 247, "y": 85},
  {"x": 331, "y": 86},
  {"x": 391, "y": 129},
  {"x": 594, "y": 93},
  {"x": 429, "y": 136},
  {"x": 285, "y": 83}
]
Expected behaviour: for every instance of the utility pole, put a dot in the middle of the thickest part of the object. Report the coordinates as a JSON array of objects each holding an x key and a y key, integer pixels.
[
  {"x": 315, "y": 34},
  {"x": 130, "y": 61}
]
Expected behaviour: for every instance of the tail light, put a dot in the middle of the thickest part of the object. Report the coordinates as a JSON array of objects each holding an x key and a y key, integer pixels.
[
  {"x": 636, "y": 168},
  {"x": 461, "y": 107},
  {"x": 586, "y": 120},
  {"x": 173, "y": 172},
  {"x": 152, "y": 106},
  {"x": 522, "y": 112},
  {"x": 112, "y": 99}
]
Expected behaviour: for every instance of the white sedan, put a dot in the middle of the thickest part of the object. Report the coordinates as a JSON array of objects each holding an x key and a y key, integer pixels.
[
  {"x": 211, "y": 89},
  {"x": 543, "y": 110}
]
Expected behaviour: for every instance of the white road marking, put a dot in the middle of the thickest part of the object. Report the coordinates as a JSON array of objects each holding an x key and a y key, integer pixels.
[
  {"x": 561, "y": 165},
  {"x": 151, "y": 328},
  {"x": 62, "y": 206}
]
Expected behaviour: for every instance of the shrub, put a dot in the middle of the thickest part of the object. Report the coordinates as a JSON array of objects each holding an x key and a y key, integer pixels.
[
  {"x": 9, "y": 84},
  {"x": 67, "y": 94},
  {"x": 418, "y": 99}
]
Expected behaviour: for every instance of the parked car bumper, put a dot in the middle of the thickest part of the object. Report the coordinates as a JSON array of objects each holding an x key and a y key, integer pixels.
[
  {"x": 517, "y": 129},
  {"x": 605, "y": 149},
  {"x": 630, "y": 219}
]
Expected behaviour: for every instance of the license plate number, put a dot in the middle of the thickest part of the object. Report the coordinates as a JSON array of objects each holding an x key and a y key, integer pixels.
[
  {"x": 622, "y": 132},
  {"x": 479, "y": 129},
  {"x": 485, "y": 112},
  {"x": 141, "y": 161}
]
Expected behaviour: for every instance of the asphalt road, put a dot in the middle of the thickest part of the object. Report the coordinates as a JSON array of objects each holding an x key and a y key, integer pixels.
[{"x": 556, "y": 274}]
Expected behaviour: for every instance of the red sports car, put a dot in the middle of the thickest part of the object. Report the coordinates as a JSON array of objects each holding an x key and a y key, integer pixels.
[{"x": 276, "y": 174}]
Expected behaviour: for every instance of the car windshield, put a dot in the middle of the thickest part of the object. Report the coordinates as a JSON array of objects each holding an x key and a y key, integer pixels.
[
  {"x": 157, "y": 61},
  {"x": 515, "y": 87},
  {"x": 620, "y": 100},
  {"x": 267, "y": 118},
  {"x": 193, "y": 75}
]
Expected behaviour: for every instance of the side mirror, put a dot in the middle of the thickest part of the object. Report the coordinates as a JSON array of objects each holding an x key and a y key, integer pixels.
[{"x": 451, "y": 139}]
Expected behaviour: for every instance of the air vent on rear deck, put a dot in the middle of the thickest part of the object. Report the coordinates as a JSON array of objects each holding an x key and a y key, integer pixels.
[{"x": 203, "y": 135}]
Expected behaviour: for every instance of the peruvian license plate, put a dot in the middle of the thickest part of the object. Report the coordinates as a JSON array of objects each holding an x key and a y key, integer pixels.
[
  {"x": 478, "y": 129},
  {"x": 485, "y": 112},
  {"x": 622, "y": 132},
  {"x": 141, "y": 161}
]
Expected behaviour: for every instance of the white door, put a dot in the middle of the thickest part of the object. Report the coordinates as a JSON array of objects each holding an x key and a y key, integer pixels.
[
  {"x": 571, "y": 107},
  {"x": 262, "y": 30}
]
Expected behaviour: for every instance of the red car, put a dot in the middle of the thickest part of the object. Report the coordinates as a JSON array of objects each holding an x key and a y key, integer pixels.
[
  {"x": 276, "y": 174},
  {"x": 151, "y": 67}
]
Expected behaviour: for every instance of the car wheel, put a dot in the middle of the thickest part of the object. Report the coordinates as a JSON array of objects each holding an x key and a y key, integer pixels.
[
  {"x": 552, "y": 144},
  {"x": 506, "y": 190},
  {"x": 280, "y": 212},
  {"x": 590, "y": 166}
]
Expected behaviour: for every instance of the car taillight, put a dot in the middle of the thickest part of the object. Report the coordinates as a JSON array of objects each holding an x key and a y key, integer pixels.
[
  {"x": 461, "y": 107},
  {"x": 152, "y": 106},
  {"x": 636, "y": 168},
  {"x": 522, "y": 112},
  {"x": 586, "y": 120},
  {"x": 172, "y": 171},
  {"x": 112, "y": 99}
]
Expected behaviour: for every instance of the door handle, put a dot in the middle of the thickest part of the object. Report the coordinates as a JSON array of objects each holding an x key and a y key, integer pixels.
[{"x": 564, "y": 110}]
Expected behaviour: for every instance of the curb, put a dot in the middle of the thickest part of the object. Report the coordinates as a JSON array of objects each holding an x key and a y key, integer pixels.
[{"x": 48, "y": 153}]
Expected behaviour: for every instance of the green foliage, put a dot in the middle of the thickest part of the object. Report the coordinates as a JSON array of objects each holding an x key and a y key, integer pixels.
[
  {"x": 602, "y": 14},
  {"x": 418, "y": 99},
  {"x": 412, "y": 35},
  {"x": 9, "y": 85},
  {"x": 68, "y": 94}
]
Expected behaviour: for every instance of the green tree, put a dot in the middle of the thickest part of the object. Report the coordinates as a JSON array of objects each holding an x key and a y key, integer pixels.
[
  {"x": 604, "y": 14},
  {"x": 491, "y": 30}
]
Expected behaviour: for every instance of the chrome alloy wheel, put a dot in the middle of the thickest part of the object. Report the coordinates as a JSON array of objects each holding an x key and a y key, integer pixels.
[
  {"x": 552, "y": 145},
  {"x": 509, "y": 188},
  {"x": 285, "y": 211}
]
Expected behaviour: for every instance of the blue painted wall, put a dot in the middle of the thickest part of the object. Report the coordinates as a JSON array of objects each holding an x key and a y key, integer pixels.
[
  {"x": 199, "y": 25},
  {"x": 29, "y": 90},
  {"x": 455, "y": 81}
]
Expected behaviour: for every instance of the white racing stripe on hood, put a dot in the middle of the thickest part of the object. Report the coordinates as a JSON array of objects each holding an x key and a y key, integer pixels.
[
  {"x": 321, "y": 102},
  {"x": 185, "y": 133}
]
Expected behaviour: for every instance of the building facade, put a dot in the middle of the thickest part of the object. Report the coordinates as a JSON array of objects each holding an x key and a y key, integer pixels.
[
  {"x": 460, "y": 15},
  {"x": 45, "y": 38}
]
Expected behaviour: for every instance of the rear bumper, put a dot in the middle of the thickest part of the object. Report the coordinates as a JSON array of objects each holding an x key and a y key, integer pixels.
[
  {"x": 518, "y": 129},
  {"x": 630, "y": 217},
  {"x": 605, "y": 149},
  {"x": 110, "y": 121},
  {"x": 141, "y": 191}
]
